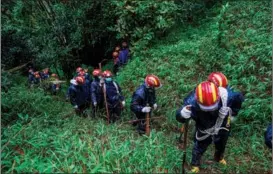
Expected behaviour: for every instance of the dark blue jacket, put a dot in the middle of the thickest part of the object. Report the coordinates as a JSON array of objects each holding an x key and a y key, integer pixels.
[
  {"x": 45, "y": 76},
  {"x": 96, "y": 91},
  {"x": 123, "y": 56},
  {"x": 268, "y": 136},
  {"x": 88, "y": 77},
  {"x": 205, "y": 120},
  {"x": 78, "y": 94},
  {"x": 141, "y": 97},
  {"x": 112, "y": 96}
]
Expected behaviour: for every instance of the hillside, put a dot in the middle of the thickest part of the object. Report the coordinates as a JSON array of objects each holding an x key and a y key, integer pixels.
[{"x": 235, "y": 39}]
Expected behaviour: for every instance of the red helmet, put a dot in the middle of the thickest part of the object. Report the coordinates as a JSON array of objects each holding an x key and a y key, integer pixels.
[
  {"x": 115, "y": 54},
  {"x": 152, "y": 81},
  {"x": 107, "y": 73},
  {"x": 81, "y": 73},
  {"x": 79, "y": 69},
  {"x": 54, "y": 75},
  {"x": 36, "y": 74},
  {"x": 207, "y": 96},
  {"x": 80, "y": 80},
  {"x": 46, "y": 70},
  {"x": 96, "y": 72},
  {"x": 219, "y": 79},
  {"x": 117, "y": 48}
]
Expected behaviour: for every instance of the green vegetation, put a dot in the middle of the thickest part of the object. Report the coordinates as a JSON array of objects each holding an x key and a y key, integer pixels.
[{"x": 234, "y": 38}]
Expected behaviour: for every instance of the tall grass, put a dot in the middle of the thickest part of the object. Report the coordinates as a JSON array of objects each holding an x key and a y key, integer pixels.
[{"x": 234, "y": 39}]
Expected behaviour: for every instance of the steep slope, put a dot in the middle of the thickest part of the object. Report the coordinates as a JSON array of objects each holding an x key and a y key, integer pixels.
[{"x": 235, "y": 39}]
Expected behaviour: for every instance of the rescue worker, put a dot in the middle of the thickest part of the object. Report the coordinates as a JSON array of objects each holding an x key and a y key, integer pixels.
[
  {"x": 117, "y": 49},
  {"x": 115, "y": 100},
  {"x": 123, "y": 54},
  {"x": 116, "y": 62},
  {"x": 55, "y": 87},
  {"x": 211, "y": 110},
  {"x": 78, "y": 70},
  {"x": 96, "y": 91},
  {"x": 144, "y": 100},
  {"x": 220, "y": 80},
  {"x": 78, "y": 94},
  {"x": 45, "y": 74},
  {"x": 87, "y": 76},
  {"x": 37, "y": 77},
  {"x": 31, "y": 77},
  {"x": 268, "y": 136}
]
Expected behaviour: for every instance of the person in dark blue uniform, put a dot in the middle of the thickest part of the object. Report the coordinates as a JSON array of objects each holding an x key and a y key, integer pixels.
[
  {"x": 211, "y": 109},
  {"x": 144, "y": 99},
  {"x": 114, "y": 97}
]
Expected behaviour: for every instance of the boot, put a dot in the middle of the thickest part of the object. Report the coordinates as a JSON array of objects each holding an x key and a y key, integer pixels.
[{"x": 195, "y": 169}]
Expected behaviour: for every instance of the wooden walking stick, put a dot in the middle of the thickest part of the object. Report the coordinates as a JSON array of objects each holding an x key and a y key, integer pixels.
[
  {"x": 105, "y": 100},
  {"x": 147, "y": 120},
  {"x": 186, "y": 127}
]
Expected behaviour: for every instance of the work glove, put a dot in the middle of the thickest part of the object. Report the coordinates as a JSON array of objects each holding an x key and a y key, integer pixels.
[
  {"x": 123, "y": 103},
  {"x": 76, "y": 107},
  {"x": 155, "y": 106},
  {"x": 186, "y": 112},
  {"x": 95, "y": 104},
  {"x": 146, "y": 109},
  {"x": 232, "y": 119}
]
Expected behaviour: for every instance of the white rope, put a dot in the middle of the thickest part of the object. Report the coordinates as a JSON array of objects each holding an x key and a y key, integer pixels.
[{"x": 223, "y": 112}]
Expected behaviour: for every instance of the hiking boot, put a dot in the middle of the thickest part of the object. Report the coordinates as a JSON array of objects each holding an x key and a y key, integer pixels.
[
  {"x": 195, "y": 169},
  {"x": 223, "y": 162}
]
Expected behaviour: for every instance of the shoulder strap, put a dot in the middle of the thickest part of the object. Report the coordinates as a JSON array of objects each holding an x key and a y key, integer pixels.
[
  {"x": 116, "y": 86},
  {"x": 223, "y": 95}
]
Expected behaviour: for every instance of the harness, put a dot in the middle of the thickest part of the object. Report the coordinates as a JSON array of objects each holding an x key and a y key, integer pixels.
[{"x": 214, "y": 130}]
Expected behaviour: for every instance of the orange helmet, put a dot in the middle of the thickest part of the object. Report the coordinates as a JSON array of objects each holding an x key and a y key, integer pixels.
[
  {"x": 152, "y": 81},
  {"x": 207, "y": 96},
  {"x": 46, "y": 70},
  {"x": 96, "y": 72},
  {"x": 79, "y": 69},
  {"x": 219, "y": 79},
  {"x": 54, "y": 75},
  {"x": 80, "y": 80},
  {"x": 36, "y": 74},
  {"x": 107, "y": 73},
  {"x": 117, "y": 49},
  {"x": 81, "y": 73},
  {"x": 115, "y": 54}
]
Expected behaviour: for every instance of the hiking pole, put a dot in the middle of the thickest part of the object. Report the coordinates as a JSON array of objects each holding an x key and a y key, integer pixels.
[
  {"x": 105, "y": 100},
  {"x": 186, "y": 127},
  {"x": 182, "y": 130},
  {"x": 147, "y": 120},
  {"x": 104, "y": 94}
]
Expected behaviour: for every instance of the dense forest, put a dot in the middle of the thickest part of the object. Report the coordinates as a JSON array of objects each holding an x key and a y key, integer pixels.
[{"x": 180, "y": 41}]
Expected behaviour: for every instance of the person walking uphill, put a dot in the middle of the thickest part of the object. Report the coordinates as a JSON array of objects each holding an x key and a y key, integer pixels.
[
  {"x": 211, "y": 113},
  {"x": 115, "y": 100},
  {"x": 96, "y": 90},
  {"x": 144, "y": 99},
  {"x": 78, "y": 94},
  {"x": 116, "y": 63},
  {"x": 123, "y": 54}
]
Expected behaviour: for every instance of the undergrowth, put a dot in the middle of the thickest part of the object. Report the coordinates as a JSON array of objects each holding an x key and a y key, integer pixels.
[{"x": 235, "y": 39}]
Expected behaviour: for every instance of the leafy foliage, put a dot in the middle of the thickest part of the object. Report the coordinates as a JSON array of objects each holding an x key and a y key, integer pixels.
[{"x": 234, "y": 38}]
